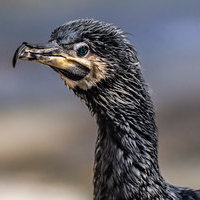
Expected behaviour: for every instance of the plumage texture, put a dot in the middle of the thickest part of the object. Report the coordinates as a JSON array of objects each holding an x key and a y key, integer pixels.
[
  {"x": 126, "y": 156},
  {"x": 126, "y": 163}
]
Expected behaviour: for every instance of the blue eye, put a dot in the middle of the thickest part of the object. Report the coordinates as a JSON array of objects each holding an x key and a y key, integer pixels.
[{"x": 82, "y": 51}]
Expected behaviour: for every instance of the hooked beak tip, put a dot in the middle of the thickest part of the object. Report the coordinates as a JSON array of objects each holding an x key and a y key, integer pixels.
[
  {"x": 28, "y": 51},
  {"x": 18, "y": 53}
]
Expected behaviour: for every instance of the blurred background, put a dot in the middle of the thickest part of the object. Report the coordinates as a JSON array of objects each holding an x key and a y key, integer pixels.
[{"x": 47, "y": 135}]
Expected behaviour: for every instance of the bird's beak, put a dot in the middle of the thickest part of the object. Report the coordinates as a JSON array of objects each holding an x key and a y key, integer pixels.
[{"x": 48, "y": 54}]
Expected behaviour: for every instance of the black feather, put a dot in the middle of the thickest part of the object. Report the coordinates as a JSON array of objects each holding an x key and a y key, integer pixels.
[{"x": 126, "y": 157}]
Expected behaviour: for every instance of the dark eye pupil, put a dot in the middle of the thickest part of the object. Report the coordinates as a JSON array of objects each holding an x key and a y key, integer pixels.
[{"x": 82, "y": 51}]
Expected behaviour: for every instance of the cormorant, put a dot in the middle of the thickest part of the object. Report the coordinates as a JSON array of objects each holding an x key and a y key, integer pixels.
[{"x": 96, "y": 60}]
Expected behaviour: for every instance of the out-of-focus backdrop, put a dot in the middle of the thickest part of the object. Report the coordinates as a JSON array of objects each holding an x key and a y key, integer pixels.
[{"x": 47, "y": 135}]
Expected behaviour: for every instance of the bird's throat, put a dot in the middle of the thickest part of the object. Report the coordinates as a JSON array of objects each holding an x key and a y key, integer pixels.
[{"x": 126, "y": 165}]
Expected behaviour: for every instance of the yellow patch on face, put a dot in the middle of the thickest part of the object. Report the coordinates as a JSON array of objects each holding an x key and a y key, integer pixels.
[
  {"x": 56, "y": 57},
  {"x": 97, "y": 72},
  {"x": 55, "y": 61}
]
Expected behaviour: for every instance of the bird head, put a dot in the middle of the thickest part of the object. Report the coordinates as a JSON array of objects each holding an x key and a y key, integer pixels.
[{"x": 84, "y": 52}]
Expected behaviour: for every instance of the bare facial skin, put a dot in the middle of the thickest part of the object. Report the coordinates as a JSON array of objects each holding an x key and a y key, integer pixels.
[{"x": 89, "y": 69}]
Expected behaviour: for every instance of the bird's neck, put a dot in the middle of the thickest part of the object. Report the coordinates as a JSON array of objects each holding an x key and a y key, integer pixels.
[{"x": 126, "y": 164}]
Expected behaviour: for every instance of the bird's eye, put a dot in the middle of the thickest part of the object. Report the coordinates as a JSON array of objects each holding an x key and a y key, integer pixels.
[{"x": 81, "y": 49}]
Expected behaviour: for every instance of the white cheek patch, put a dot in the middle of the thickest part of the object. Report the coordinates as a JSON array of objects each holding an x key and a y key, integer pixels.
[{"x": 97, "y": 72}]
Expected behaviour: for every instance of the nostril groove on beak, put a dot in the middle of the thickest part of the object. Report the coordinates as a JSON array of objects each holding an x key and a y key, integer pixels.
[{"x": 41, "y": 45}]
